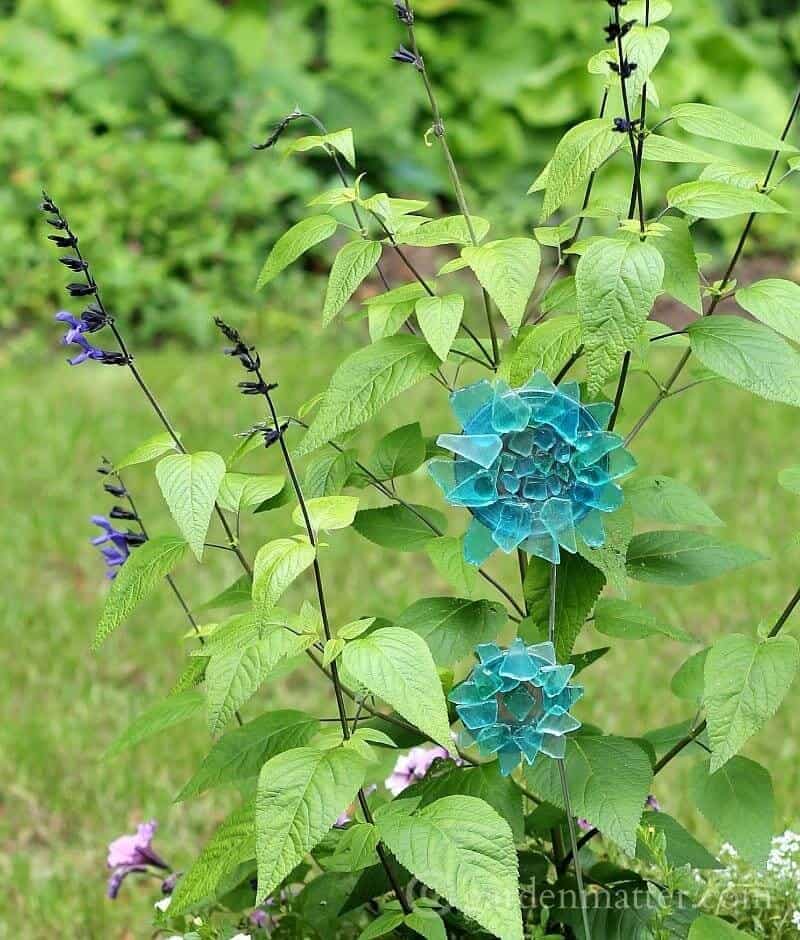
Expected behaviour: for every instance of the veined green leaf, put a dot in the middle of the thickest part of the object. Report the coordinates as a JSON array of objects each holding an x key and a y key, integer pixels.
[
  {"x": 294, "y": 243},
  {"x": 190, "y": 484},
  {"x": 338, "y": 140},
  {"x": 449, "y": 230},
  {"x": 327, "y": 513},
  {"x": 453, "y": 626},
  {"x": 277, "y": 564},
  {"x": 400, "y": 527},
  {"x": 707, "y": 199},
  {"x": 732, "y": 174},
  {"x": 610, "y": 557},
  {"x": 234, "y": 595},
  {"x": 447, "y": 555},
  {"x": 157, "y": 718},
  {"x": 681, "y": 847},
  {"x": 720, "y": 124},
  {"x": 240, "y": 491},
  {"x": 687, "y": 683},
  {"x": 355, "y": 849},
  {"x": 150, "y": 449},
  {"x": 666, "y": 150},
  {"x": 657, "y": 9},
  {"x": 327, "y": 474},
  {"x": 507, "y": 271},
  {"x": 684, "y": 558},
  {"x": 681, "y": 271},
  {"x": 440, "y": 320},
  {"x": 709, "y": 927},
  {"x": 546, "y": 348},
  {"x": 398, "y": 453},
  {"x": 352, "y": 265},
  {"x": 662, "y": 499},
  {"x": 776, "y": 303},
  {"x": 628, "y": 621}
]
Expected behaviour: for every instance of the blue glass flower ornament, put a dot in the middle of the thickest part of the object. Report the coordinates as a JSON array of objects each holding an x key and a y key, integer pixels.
[
  {"x": 533, "y": 465},
  {"x": 515, "y": 703}
]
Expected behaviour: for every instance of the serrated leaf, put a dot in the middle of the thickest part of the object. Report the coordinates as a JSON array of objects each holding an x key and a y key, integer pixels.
[
  {"x": 546, "y": 348},
  {"x": 708, "y": 199},
  {"x": 396, "y": 665},
  {"x": 688, "y": 681},
  {"x": 190, "y": 484},
  {"x": 427, "y": 924},
  {"x": 399, "y": 527},
  {"x": 749, "y": 355},
  {"x": 240, "y": 491},
  {"x": 683, "y": 558},
  {"x": 365, "y": 382},
  {"x": 276, "y": 566},
  {"x": 610, "y": 558},
  {"x": 745, "y": 683},
  {"x": 351, "y": 266},
  {"x": 340, "y": 140},
  {"x": 137, "y": 579},
  {"x": 507, "y": 271},
  {"x": 681, "y": 271},
  {"x": 300, "y": 795},
  {"x": 150, "y": 449},
  {"x": 327, "y": 513},
  {"x": 398, "y": 453},
  {"x": 234, "y": 595},
  {"x": 617, "y": 283},
  {"x": 440, "y": 320},
  {"x": 662, "y": 499},
  {"x": 720, "y": 124},
  {"x": 625, "y": 620},
  {"x": 739, "y": 803},
  {"x": 709, "y": 927},
  {"x": 609, "y": 779},
  {"x": 643, "y": 45},
  {"x": 561, "y": 296},
  {"x": 447, "y": 555},
  {"x": 666, "y": 150},
  {"x": 449, "y": 230},
  {"x": 294, "y": 243},
  {"x": 776, "y": 303},
  {"x": 354, "y": 629},
  {"x": 241, "y": 753},
  {"x": 355, "y": 849},
  {"x": 452, "y": 626},
  {"x": 681, "y": 847},
  {"x": 733, "y": 174},
  {"x": 327, "y": 474},
  {"x": 333, "y": 649},
  {"x": 384, "y": 924},
  {"x": 192, "y": 675},
  {"x": 462, "y": 849},
  {"x": 157, "y": 718}
]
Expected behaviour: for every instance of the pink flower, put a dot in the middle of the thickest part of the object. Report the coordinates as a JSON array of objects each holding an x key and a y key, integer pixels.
[
  {"x": 133, "y": 853},
  {"x": 652, "y": 803},
  {"x": 347, "y": 815},
  {"x": 413, "y": 766}
]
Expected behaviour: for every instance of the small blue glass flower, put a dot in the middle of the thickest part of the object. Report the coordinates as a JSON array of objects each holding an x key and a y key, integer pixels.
[
  {"x": 533, "y": 465},
  {"x": 515, "y": 703}
]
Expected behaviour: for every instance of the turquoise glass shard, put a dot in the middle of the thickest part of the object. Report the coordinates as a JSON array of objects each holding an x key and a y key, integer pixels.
[
  {"x": 515, "y": 704},
  {"x": 534, "y": 466}
]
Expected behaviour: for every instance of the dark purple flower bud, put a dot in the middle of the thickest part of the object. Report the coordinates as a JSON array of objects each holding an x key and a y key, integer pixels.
[
  {"x": 271, "y": 436},
  {"x": 113, "y": 488},
  {"x": 113, "y": 358},
  {"x": 652, "y": 803},
  {"x": 625, "y": 70},
  {"x": 63, "y": 241},
  {"x": 278, "y": 130},
  {"x": 253, "y": 388},
  {"x": 81, "y": 290},
  {"x": 47, "y": 204},
  {"x": 168, "y": 884},
  {"x": 407, "y": 57},
  {"x": 404, "y": 12},
  {"x": 95, "y": 318},
  {"x": 105, "y": 469},
  {"x": 616, "y": 3},
  {"x": 135, "y": 538},
  {"x": 614, "y": 32},
  {"x": 623, "y": 126},
  {"x": 57, "y": 223},
  {"x": 118, "y": 512},
  {"x": 74, "y": 264}
]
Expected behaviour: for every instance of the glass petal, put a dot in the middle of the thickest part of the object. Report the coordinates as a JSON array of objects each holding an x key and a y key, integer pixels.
[
  {"x": 482, "y": 449},
  {"x": 514, "y": 525},
  {"x": 467, "y": 402},
  {"x": 545, "y": 652},
  {"x": 554, "y": 746},
  {"x": 466, "y": 693},
  {"x": 555, "y": 678},
  {"x": 518, "y": 664},
  {"x": 492, "y": 739},
  {"x": 557, "y": 517},
  {"x": 487, "y": 653},
  {"x": 621, "y": 463},
  {"x": 476, "y": 491},
  {"x": 509, "y": 760},
  {"x": 543, "y": 546},
  {"x": 529, "y": 742},
  {"x": 519, "y": 702},
  {"x": 478, "y": 543},
  {"x": 478, "y": 716},
  {"x": 522, "y": 442},
  {"x": 510, "y": 412},
  {"x": 601, "y": 411},
  {"x": 558, "y": 724},
  {"x": 590, "y": 529}
]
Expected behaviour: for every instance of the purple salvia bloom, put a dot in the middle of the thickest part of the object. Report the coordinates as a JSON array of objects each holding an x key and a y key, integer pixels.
[
  {"x": 413, "y": 766},
  {"x": 346, "y": 816},
  {"x": 87, "y": 351},
  {"x": 652, "y": 803},
  {"x": 76, "y": 326},
  {"x": 132, "y": 853},
  {"x": 584, "y": 825}
]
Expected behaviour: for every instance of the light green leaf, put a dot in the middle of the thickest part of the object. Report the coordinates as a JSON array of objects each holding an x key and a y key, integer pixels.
[
  {"x": 399, "y": 453},
  {"x": 277, "y": 564},
  {"x": 684, "y": 558},
  {"x": 789, "y": 479},
  {"x": 707, "y": 199},
  {"x": 643, "y": 45},
  {"x": 628, "y": 621},
  {"x": 426, "y": 923},
  {"x": 236, "y": 633},
  {"x": 440, "y": 320},
  {"x": 681, "y": 271},
  {"x": 657, "y": 9},
  {"x": 137, "y": 579},
  {"x": 354, "y": 629},
  {"x": 240, "y": 491},
  {"x": 561, "y": 296},
  {"x": 300, "y": 795},
  {"x": 452, "y": 626},
  {"x": 355, "y": 849},
  {"x": 745, "y": 683},
  {"x": 352, "y": 265},
  {"x": 462, "y": 849},
  {"x": 338, "y": 140},
  {"x": 688, "y": 681},
  {"x": 739, "y": 803},
  {"x": 775, "y": 302},
  {"x": 617, "y": 283},
  {"x": 157, "y": 718},
  {"x": 449, "y": 230},
  {"x": 719, "y": 124},
  {"x": 447, "y": 555},
  {"x": 709, "y": 927},
  {"x": 328, "y": 513},
  {"x": 192, "y": 675},
  {"x": 578, "y": 154},
  {"x": 241, "y": 753},
  {"x": 546, "y": 348},
  {"x": 327, "y": 474},
  {"x": 384, "y": 924},
  {"x": 507, "y": 271},
  {"x": 749, "y": 355},
  {"x": 396, "y": 665},
  {"x": 662, "y": 499},
  {"x": 681, "y": 849},
  {"x": 609, "y": 780},
  {"x": 294, "y": 243},
  {"x": 387, "y": 320},
  {"x": 400, "y": 527},
  {"x": 732, "y": 174},
  {"x": 666, "y": 150},
  {"x": 365, "y": 382},
  {"x": 190, "y": 484},
  {"x": 333, "y": 649},
  {"x": 152, "y": 448},
  {"x": 610, "y": 558}
]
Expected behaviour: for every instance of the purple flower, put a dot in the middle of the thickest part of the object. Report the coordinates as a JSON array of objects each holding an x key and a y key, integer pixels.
[
  {"x": 133, "y": 853},
  {"x": 260, "y": 918},
  {"x": 652, "y": 803},
  {"x": 413, "y": 766},
  {"x": 584, "y": 825},
  {"x": 92, "y": 319},
  {"x": 347, "y": 815}
]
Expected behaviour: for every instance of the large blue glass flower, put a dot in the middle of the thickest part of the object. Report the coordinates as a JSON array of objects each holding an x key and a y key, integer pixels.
[
  {"x": 533, "y": 465},
  {"x": 515, "y": 703}
]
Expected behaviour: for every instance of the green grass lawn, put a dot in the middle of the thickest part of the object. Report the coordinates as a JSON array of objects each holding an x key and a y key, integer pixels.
[{"x": 62, "y": 705}]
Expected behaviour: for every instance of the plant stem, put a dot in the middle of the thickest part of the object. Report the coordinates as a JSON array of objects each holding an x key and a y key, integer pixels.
[{"x": 636, "y": 196}]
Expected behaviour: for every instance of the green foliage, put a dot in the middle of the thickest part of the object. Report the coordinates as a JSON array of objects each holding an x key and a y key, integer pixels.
[
  {"x": 451, "y": 626},
  {"x": 440, "y": 319},
  {"x": 507, "y": 270},
  {"x": 776, "y": 303},
  {"x": 683, "y": 558},
  {"x": 276, "y": 566},
  {"x": 327, "y": 513},
  {"x": 662, "y": 499},
  {"x": 403, "y": 528},
  {"x": 157, "y": 718},
  {"x": 151, "y": 449},
  {"x": 190, "y": 484},
  {"x": 625, "y": 620},
  {"x": 299, "y": 239},
  {"x": 352, "y": 265}
]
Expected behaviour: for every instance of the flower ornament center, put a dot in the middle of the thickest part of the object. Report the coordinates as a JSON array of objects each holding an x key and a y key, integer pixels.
[
  {"x": 534, "y": 466},
  {"x": 515, "y": 703}
]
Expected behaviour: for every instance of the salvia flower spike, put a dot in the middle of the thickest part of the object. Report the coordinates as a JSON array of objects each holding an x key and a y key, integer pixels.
[
  {"x": 534, "y": 466},
  {"x": 515, "y": 703}
]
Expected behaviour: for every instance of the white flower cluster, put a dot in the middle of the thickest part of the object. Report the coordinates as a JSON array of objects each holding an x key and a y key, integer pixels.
[{"x": 784, "y": 858}]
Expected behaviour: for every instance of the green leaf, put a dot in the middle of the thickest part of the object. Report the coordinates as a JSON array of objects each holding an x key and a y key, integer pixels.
[
  {"x": 396, "y": 665},
  {"x": 440, "y": 320},
  {"x": 610, "y": 558},
  {"x": 709, "y": 927},
  {"x": 578, "y": 585},
  {"x": 681, "y": 272},
  {"x": 732, "y": 174},
  {"x": 152, "y": 448},
  {"x": 399, "y": 527},
  {"x": 399, "y": 453},
  {"x": 749, "y": 355},
  {"x": 643, "y": 45},
  {"x": 352, "y": 265},
  {"x": 617, "y": 283},
  {"x": 609, "y": 779},
  {"x": 277, "y": 564},
  {"x": 688, "y": 681},
  {"x": 157, "y": 718},
  {"x": 462, "y": 849},
  {"x": 547, "y": 348},
  {"x": 657, "y": 9},
  {"x": 739, "y": 803},
  {"x": 327, "y": 474},
  {"x": 426, "y": 923},
  {"x": 240, "y": 491},
  {"x": 384, "y": 924},
  {"x": 708, "y": 199},
  {"x": 232, "y": 844},
  {"x": 338, "y": 140},
  {"x": 776, "y": 303},
  {"x": 662, "y": 499},
  {"x": 190, "y": 484},
  {"x": 333, "y": 649},
  {"x": 192, "y": 675},
  {"x": 681, "y": 847},
  {"x": 789, "y": 479},
  {"x": 137, "y": 579},
  {"x": 625, "y": 620},
  {"x": 666, "y": 150},
  {"x": 355, "y": 849},
  {"x": 294, "y": 243},
  {"x": 300, "y": 795},
  {"x": 328, "y": 513},
  {"x": 745, "y": 683},
  {"x": 451, "y": 626},
  {"x": 683, "y": 558},
  {"x": 241, "y": 753},
  {"x": 449, "y": 230},
  {"x": 561, "y": 296},
  {"x": 579, "y": 153},
  {"x": 281, "y": 498},
  {"x": 365, "y": 382},
  {"x": 720, "y": 124},
  {"x": 507, "y": 271},
  {"x": 447, "y": 555}
]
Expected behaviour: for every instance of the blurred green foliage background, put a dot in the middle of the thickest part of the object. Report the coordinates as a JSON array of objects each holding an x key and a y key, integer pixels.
[{"x": 138, "y": 117}]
